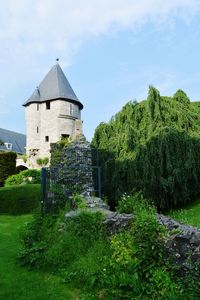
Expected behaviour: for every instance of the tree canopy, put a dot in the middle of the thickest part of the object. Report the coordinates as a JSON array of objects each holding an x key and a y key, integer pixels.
[{"x": 152, "y": 146}]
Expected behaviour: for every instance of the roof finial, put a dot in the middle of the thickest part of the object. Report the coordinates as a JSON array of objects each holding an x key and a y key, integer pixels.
[{"x": 57, "y": 60}]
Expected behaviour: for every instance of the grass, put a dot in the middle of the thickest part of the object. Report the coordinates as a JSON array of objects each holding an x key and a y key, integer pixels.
[
  {"x": 20, "y": 199},
  {"x": 16, "y": 282},
  {"x": 189, "y": 215}
]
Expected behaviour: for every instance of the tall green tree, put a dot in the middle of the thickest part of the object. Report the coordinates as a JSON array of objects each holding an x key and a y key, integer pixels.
[{"x": 152, "y": 146}]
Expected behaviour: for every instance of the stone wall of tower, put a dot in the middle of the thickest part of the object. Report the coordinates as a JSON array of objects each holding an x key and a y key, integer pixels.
[
  {"x": 32, "y": 126},
  {"x": 46, "y": 126}
]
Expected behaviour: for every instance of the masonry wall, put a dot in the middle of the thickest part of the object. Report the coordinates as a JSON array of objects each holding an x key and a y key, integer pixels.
[
  {"x": 32, "y": 122},
  {"x": 45, "y": 126}
]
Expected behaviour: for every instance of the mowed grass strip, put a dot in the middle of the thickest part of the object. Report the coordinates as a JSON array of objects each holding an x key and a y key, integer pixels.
[
  {"x": 189, "y": 215},
  {"x": 16, "y": 282}
]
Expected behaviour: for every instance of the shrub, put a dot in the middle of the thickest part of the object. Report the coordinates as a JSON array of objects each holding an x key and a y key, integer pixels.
[
  {"x": 35, "y": 237},
  {"x": 19, "y": 199},
  {"x": 42, "y": 161},
  {"x": 24, "y": 177},
  {"x": 137, "y": 265},
  {"x": 65, "y": 241},
  {"x": 57, "y": 151},
  {"x": 128, "y": 203},
  {"x": 7, "y": 165}
]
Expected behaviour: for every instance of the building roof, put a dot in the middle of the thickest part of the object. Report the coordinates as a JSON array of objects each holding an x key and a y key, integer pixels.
[
  {"x": 18, "y": 140},
  {"x": 54, "y": 86}
]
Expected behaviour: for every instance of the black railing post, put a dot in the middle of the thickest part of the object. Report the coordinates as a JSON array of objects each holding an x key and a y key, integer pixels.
[
  {"x": 99, "y": 181},
  {"x": 44, "y": 189}
]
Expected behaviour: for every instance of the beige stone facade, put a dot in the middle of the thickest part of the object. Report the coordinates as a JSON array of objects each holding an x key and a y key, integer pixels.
[
  {"x": 47, "y": 123},
  {"x": 53, "y": 111}
]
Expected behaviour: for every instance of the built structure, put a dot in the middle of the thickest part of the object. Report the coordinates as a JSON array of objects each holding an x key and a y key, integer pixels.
[
  {"x": 14, "y": 141},
  {"x": 52, "y": 112}
]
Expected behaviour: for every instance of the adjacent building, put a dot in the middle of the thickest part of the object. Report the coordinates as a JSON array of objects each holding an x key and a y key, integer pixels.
[{"x": 13, "y": 141}]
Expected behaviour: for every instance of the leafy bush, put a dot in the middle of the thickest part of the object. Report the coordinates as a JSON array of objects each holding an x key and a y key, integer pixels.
[
  {"x": 24, "y": 177},
  {"x": 42, "y": 161},
  {"x": 57, "y": 151},
  {"x": 127, "y": 203},
  {"x": 137, "y": 266},
  {"x": 7, "y": 165},
  {"x": 78, "y": 201},
  {"x": 19, "y": 199},
  {"x": 35, "y": 240},
  {"x": 65, "y": 241}
]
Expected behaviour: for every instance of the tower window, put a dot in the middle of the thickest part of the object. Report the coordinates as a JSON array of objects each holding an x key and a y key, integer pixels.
[
  {"x": 37, "y": 129},
  {"x": 46, "y": 138},
  {"x": 70, "y": 109},
  {"x": 38, "y": 106},
  {"x": 64, "y": 136},
  {"x": 48, "y": 105}
]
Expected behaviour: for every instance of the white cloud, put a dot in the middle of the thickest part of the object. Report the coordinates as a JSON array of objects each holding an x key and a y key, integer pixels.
[
  {"x": 34, "y": 32},
  {"x": 33, "y": 29}
]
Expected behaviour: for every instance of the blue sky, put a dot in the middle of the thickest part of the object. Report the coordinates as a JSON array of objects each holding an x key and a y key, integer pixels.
[{"x": 110, "y": 51}]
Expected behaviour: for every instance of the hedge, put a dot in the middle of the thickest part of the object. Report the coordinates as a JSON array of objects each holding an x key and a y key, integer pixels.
[
  {"x": 7, "y": 165},
  {"x": 24, "y": 177},
  {"x": 20, "y": 199}
]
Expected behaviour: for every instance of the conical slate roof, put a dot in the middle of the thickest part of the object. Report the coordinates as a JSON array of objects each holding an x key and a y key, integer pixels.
[{"x": 54, "y": 86}]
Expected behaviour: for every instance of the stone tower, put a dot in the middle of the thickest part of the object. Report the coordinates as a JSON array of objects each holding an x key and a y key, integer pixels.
[{"x": 52, "y": 112}]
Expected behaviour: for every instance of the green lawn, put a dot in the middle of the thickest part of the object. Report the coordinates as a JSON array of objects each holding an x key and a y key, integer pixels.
[
  {"x": 17, "y": 283},
  {"x": 189, "y": 215}
]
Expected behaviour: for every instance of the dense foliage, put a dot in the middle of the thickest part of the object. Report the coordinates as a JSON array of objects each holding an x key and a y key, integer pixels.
[
  {"x": 57, "y": 151},
  {"x": 22, "y": 199},
  {"x": 7, "y": 165},
  {"x": 152, "y": 146},
  {"x": 128, "y": 265},
  {"x": 24, "y": 177},
  {"x": 42, "y": 162}
]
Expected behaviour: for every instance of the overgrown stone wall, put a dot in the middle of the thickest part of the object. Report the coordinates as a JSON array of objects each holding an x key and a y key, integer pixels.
[
  {"x": 76, "y": 167},
  {"x": 182, "y": 244}
]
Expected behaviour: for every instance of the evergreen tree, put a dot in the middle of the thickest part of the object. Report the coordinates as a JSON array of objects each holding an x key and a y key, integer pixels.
[{"x": 152, "y": 146}]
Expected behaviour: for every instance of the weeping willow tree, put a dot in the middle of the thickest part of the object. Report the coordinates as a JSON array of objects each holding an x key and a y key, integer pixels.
[
  {"x": 152, "y": 146},
  {"x": 167, "y": 169}
]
